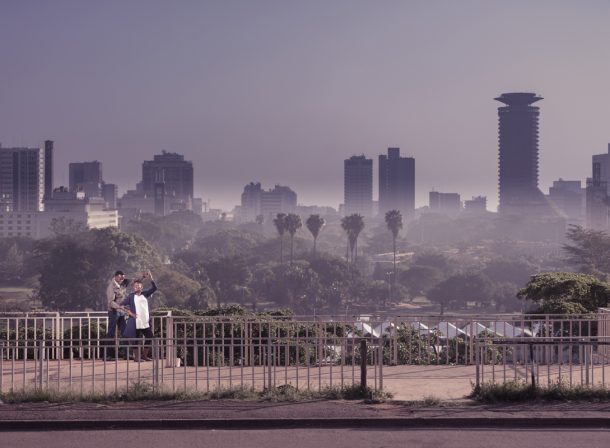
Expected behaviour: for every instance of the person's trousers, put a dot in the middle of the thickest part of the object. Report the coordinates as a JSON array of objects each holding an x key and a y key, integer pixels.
[{"x": 114, "y": 320}]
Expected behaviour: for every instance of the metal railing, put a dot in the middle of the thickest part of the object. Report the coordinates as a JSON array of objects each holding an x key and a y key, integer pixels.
[
  {"x": 202, "y": 352},
  {"x": 544, "y": 360},
  {"x": 201, "y": 364}
]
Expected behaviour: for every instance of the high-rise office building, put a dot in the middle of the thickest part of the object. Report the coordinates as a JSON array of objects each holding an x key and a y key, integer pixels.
[
  {"x": 166, "y": 187},
  {"x": 110, "y": 193},
  {"x": 601, "y": 168},
  {"x": 22, "y": 179},
  {"x": 173, "y": 170},
  {"x": 86, "y": 177},
  {"x": 396, "y": 183},
  {"x": 48, "y": 169},
  {"x": 518, "y": 156},
  {"x": 597, "y": 198},
  {"x": 358, "y": 185}
]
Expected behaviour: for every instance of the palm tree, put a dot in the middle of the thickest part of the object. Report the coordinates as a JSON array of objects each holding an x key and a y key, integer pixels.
[
  {"x": 393, "y": 220},
  {"x": 293, "y": 223},
  {"x": 314, "y": 224},
  {"x": 280, "y": 225},
  {"x": 353, "y": 225}
]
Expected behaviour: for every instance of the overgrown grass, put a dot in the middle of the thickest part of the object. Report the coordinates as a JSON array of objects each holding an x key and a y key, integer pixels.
[
  {"x": 145, "y": 392},
  {"x": 519, "y": 391}
]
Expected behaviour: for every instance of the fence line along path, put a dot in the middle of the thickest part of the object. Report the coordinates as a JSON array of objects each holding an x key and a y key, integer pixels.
[{"x": 411, "y": 356}]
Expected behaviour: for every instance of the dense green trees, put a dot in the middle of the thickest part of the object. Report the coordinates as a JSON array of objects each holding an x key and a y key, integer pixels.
[
  {"x": 74, "y": 269},
  {"x": 459, "y": 289},
  {"x": 588, "y": 251},
  {"x": 566, "y": 293},
  {"x": 218, "y": 263}
]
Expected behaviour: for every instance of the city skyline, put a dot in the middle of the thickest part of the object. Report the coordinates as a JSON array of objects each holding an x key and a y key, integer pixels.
[{"x": 290, "y": 90}]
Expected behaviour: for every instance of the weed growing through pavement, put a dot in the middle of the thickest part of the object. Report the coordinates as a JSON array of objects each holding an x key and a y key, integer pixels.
[
  {"x": 143, "y": 391},
  {"x": 519, "y": 391}
]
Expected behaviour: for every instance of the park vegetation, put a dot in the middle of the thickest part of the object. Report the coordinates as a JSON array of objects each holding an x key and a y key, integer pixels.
[{"x": 312, "y": 265}]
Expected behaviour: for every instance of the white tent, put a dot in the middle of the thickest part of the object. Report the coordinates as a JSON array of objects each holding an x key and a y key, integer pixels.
[{"x": 449, "y": 330}]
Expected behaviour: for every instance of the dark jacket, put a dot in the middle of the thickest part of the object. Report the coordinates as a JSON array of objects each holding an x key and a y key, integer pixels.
[{"x": 129, "y": 302}]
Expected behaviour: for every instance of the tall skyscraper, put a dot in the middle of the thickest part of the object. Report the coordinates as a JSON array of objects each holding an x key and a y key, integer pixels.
[
  {"x": 518, "y": 156},
  {"x": 396, "y": 183},
  {"x": 22, "y": 179},
  {"x": 597, "y": 199},
  {"x": 48, "y": 169},
  {"x": 86, "y": 177},
  {"x": 358, "y": 185}
]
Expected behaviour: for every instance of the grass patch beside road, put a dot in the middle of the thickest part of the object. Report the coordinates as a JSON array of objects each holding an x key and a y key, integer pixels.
[
  {"x": 145, "y": 392},
  {"x": 519, "y": 391}
]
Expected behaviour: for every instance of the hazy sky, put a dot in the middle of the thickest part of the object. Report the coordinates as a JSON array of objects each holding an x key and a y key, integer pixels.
[{"x": 283, "y": 91}]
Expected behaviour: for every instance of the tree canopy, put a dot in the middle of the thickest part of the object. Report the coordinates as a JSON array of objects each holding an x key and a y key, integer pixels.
[{"x": 566, "y": 293}]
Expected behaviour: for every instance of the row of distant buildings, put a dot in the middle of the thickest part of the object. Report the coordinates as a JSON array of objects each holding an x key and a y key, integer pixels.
[
  {"x": 29, "y": 203},
  {"x": 567, "y": 202},
  {"x": 30, "y": 206}
]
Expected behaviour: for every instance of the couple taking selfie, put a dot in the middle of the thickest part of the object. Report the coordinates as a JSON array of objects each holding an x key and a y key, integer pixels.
[{"x": 129, "y": 313}]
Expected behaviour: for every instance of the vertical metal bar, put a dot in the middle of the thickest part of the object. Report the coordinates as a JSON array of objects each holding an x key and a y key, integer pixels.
[
  {"x": 185, "y": 351},
  {"x": 59, "y": 358},
  {"x": 196, "y": 357},
  {"x": 298, "y": 357},
  {"x": 269, "y": 358},
  {"x": 92, "y": 360},
  {"x": 380, "y": 356},
  {"x": 307, "y": 356},
  {"x": 2, "y": 350},
  {"x": 363, "y": 360},
  {"x": 477, "y": 361},
  {"x": 82, "y": 367},
  {"x": 571, "y": 351}
]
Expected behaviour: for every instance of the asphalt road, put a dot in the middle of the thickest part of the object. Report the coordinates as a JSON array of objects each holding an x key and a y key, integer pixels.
[{"x": 300, "y": 438}]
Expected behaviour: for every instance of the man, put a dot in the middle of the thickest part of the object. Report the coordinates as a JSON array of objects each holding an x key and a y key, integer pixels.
[
  {"x": 115, "y": 294},
  {"x": 137, "y": 304}
]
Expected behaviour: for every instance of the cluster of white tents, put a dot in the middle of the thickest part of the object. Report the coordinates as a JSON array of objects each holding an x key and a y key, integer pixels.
[{"x": 446, "y": 330}]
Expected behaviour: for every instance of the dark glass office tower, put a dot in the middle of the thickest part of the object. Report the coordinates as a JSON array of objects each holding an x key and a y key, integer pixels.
[
  {"x": 396, "y": 183},
  {"x": 48, "y": 169},
  {"x": 358, "y": 185},
  {"x": 518, "y": 154}
]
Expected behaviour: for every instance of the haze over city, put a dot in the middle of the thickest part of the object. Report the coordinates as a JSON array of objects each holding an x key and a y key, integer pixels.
[{"x": 283, "y": 92}]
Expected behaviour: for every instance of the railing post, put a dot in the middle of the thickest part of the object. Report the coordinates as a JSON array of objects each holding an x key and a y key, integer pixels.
[
  {"x": 169, "y": 341},
  {"x": 533, "y": 373},
  {"x": 269, "y": 359},
  {"x": 477, "y": 355},
  {"x": 155, "y": 365},
  {"x": 40, "y": 350},
  {"x": 363, "y": 356},
  {"x": 380, "y": 362}
]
